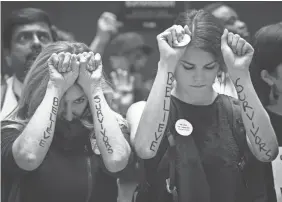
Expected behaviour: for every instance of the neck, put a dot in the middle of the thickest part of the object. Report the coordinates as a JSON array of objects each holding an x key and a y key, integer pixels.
[
  {"x": 205, "y": 97},
  {"x": 276, "y": 107}
]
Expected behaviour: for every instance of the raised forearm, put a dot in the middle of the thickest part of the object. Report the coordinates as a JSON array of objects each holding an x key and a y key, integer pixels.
[
  {"x": 113, "y": 146},
  {"x": 256, "y": 121},
  {"x": 99, "y": 44},
  {"x": 155, "y": 115},
  {"x": 31, "y": 147}
]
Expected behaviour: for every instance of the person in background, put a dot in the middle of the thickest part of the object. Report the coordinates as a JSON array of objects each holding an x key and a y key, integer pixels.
[
  {"x": 63, "y": 143},
  {"x": 231, "y": 21},
  {"x": 266, "y": 74},
  {"x": 107, "y": 27},
  {"x": 128, "y": 55},
  {"x": 26, "y": 32},
  {"x": 229, "y": 18}
]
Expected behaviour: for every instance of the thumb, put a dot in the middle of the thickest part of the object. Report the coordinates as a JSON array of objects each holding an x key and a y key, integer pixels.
[
  {"x": 224, "y": 39},
  {"x": 165, "y": 39},
  {"x": 53, "y": 63}
]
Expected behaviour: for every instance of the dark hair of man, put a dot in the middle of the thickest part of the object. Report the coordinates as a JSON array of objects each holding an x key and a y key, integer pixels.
[
  {"x": 213, "y": 6},
  {"x": 22, "y": 17},
  {"x": 267, "y": 44}
]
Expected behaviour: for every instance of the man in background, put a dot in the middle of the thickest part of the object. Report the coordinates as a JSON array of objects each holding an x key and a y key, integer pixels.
[{"x": 25, "y": 33}]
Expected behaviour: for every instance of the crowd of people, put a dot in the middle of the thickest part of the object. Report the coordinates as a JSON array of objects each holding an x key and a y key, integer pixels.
[{"x": 207, "y": 128}]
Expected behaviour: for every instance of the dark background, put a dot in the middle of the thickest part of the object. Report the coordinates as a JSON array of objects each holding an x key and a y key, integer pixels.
[{"x": 80, "y": 18}]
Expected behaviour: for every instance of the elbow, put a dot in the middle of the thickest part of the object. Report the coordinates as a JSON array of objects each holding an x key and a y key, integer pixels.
[
  {"x": 26, "y": 160},
  {"x": 118, "y": 162},
  {"x": 144, "y": 152},
  {"x": 269, "y": 156}
]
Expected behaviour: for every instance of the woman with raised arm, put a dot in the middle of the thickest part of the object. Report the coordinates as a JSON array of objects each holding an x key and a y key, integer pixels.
[
  {"x": 63, "y": 142},
  {"x": 197, "y": 141}
]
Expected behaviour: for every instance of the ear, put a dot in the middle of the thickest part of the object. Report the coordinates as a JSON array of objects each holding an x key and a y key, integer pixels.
[
  {"x": 7, "y": 57},
  {"x": 266, "y": 77}
]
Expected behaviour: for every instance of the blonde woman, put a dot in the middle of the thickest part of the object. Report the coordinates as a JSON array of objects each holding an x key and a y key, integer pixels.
[{"x": 63, "y": 142}]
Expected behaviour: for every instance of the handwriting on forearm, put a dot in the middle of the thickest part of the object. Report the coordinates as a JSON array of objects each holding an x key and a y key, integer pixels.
[
  {"x": 47, "y": 133},
  {"x": 100, "y": 118},
  {"x": 250, "y": 113},
  {"x": 161, "y": 126}
]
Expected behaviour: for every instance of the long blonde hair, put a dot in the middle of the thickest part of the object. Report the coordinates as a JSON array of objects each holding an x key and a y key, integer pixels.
[{"x": 36, "y": 81}]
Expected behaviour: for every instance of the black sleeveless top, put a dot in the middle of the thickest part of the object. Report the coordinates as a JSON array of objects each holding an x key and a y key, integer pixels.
[{"x": 217, "y": 148}]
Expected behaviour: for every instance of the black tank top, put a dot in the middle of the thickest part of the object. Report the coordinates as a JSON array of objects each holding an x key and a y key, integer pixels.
[{"x": 216, "y": 146}]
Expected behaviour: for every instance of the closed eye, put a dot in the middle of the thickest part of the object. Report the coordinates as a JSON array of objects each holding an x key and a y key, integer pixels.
[
  {"x": 79, "y": 100},
  {"x": 187, "y": 67},
  {"x": 210, "y": 67}
]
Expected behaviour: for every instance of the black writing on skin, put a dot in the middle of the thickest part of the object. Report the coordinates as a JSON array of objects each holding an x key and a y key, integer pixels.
[
  {"x": 250, "y": 113},
  {"x": 53, "y": 114},
  {"x": 161, "y": 128},
  {"x": 100, "y": 117}
]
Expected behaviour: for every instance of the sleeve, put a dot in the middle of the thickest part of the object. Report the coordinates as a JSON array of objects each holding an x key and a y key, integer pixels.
[{"x": 9, "y": 166}]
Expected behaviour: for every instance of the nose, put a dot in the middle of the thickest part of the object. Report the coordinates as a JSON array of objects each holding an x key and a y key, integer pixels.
[
  {"x": 198, "y": 76},
  {"x": 36, "y": 43},
  {"x": 68, "y": 115}
]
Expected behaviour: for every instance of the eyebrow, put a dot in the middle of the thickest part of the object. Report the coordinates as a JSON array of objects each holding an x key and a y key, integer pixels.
[
  {"x": 32, "y": 31},
  {"x": 194, "y": 64},
  {"x": 80, "y": 97}
]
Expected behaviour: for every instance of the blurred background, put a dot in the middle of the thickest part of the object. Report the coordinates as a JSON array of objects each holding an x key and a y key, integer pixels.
[{"x": 80, "y": 18}]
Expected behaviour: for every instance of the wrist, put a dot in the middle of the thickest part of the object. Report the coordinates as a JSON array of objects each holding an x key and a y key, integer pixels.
[
  {"x": 52, "y": 88},
  {"x": 164, "y": 67},
  {"x": 243, "y": 76},
  {"x": 92, "y": 91}
]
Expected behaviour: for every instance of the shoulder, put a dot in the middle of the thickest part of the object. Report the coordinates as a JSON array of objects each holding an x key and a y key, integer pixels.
[{"x": 136, "y": 108}]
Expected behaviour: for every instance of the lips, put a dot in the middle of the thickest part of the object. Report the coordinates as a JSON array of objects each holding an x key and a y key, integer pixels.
[
  {"x": 198, "y": 86},
  {"x": 31, "y": 58}
]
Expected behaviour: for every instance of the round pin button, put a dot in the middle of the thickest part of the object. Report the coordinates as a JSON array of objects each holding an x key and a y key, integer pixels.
[
  {"x": 185, "y": 41},
  {"x": 183, "y": 127}
]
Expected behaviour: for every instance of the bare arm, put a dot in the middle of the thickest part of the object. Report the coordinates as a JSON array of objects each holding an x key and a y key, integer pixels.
[
  {"x": 154, "y": 118},
  {"x": 237, "y": 55},
  {"x": 155, "y": 115},
  {"x": 113, "y": 146},
  {"x": 262, "y": 138},
  {"x": 99, "y": 44},
  {"x": 107, "y": 26},
  {"x": 30, "y": 148}
]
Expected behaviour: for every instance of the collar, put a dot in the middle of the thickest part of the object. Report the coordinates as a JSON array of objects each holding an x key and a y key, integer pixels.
[
  {"x": 10, "y": 101},
  {"x": 17, "y": 86}
]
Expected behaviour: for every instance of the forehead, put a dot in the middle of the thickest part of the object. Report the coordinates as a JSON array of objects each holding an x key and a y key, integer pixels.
[
  {"x": 32, "y": 27},
  {"x": 73, "y": 93},
  {"x": 197, "y": 56},
  {"x": 224, "y": 12}
]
